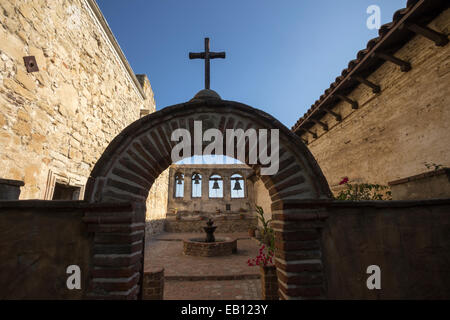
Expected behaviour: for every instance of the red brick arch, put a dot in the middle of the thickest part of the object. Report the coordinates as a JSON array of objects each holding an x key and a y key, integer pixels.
[
  {"x": 132, "y": 161},
  {"x": 135, "y": 158}
]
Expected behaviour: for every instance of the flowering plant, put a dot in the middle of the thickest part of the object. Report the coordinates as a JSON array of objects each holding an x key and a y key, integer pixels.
[
  {"x": 262, "y": 259},
  {"x": 268, "y": 237},
  {"x": 363, "y": 191}
]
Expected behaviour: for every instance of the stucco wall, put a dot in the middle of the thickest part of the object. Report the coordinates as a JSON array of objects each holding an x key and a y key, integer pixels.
[
  {"x": 394, "y": 132},
  {"x": 429, "y": 185},
  {"x": 61, "y": 118},
  {"x": 34, "y": 258},
  {"x": 408, "y": 240}
]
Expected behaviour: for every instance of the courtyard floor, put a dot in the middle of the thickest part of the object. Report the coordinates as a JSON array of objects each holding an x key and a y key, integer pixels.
[{"x": 204, "y": 278}]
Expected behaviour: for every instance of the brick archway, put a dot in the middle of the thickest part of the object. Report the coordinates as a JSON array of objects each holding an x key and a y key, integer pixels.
[{"x": 135, "y": 158}]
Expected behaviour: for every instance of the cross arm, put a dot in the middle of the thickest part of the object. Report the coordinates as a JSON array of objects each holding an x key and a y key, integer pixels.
[
  {"x": 214, "y": 55},
  {"x": 196, "y": 55}
]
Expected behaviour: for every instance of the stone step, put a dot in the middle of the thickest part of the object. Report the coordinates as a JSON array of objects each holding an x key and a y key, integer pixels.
[{"x": 213, "y": 277}]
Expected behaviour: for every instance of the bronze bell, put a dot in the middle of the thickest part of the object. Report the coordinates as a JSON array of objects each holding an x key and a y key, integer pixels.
[
  {"x": 196, "y": 179},
  {"x": 216, "y": 185},
  {"x": 237, "y": 186}
]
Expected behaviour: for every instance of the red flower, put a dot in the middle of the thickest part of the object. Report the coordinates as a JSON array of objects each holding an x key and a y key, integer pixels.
[
  {"x": 262, "y": 259},
  {"x": 345, "y": 180}
]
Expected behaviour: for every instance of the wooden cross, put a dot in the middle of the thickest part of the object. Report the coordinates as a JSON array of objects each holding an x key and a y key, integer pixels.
[{"x": 207, "y": 55}]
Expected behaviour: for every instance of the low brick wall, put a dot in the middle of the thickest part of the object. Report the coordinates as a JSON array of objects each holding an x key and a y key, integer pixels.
[
  {"x": 324, "y": 249},
  {"x": 224, "y": 225},
  {"x": 269, "y": 283},
  {"x": 223, "y": 247},
  {"x": 153, "y": 284}
]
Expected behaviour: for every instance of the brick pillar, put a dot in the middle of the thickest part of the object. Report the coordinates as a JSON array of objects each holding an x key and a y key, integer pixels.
[
  {"x": 153, "y": 284},
  {"x": 118, "y": 250},
  {"x": 298, "y": 249}
]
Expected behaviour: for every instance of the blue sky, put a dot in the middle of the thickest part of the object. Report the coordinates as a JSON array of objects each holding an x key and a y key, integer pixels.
[{"x": 281, "y": 55}]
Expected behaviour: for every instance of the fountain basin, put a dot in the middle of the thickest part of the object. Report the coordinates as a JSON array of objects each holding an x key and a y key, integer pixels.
[{"x": 199, "y": 247}]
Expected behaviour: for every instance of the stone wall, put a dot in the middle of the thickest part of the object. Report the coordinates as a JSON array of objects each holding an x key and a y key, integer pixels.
[
  {"x": 204, "y": 205},
  {"x": 157, "y": 205},
  {"x": 55, "y": 123},
  {"x": 262, "y": 199},
  {"x": 198, "y": 247},
  {"x": 393, "y": 133},
  {"x": 225, "y": 224}
]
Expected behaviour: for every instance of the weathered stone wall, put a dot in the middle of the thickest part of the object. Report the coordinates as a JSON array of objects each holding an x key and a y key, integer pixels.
[
  {"x": 157, "y": 205},
  {"x": 262, "y": 199},
  {"x": 204, "y": 205},
  {"x": 394, "y": 132},
  {"x": 225, "y": 224},
  {"x": 55, "y": 123},
  {"x": 59, "y": 120}
]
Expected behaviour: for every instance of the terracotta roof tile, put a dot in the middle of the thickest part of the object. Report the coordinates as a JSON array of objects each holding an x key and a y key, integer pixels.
[{"x": 383, "y": 31}]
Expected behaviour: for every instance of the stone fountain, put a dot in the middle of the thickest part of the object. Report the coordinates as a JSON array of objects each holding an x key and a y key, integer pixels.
[
  {"x": 209, "y": 246},
  {"x": 209, "y": 229}
]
